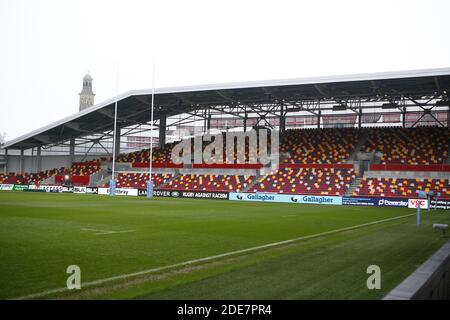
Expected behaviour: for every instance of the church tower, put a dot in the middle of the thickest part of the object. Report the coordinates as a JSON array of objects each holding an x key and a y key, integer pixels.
[{"x": 86, "y": 94}]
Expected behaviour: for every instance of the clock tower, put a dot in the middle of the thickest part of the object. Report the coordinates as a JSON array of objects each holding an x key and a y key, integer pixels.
[{"x": 86, "y": 94}]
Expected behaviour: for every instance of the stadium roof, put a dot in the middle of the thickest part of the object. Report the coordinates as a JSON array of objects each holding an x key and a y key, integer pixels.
[{"x": 134, "y": 106}]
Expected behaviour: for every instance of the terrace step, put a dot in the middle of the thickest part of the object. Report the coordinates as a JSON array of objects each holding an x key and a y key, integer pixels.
[
  {"x": 48, "y": 181},
  {"x": 98, "y": 177},
  {"x": 376, "y": 161},
  {"x": 362, "y": 140},
  {"x": 99, "y": 180},
  {"x": 353, "y": 186},
  {"x": 174, "y": 176},
  {"x": 251, "y": 185}
]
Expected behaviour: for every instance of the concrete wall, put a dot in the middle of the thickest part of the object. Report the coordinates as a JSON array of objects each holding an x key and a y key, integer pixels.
[{"x": 431, "y": 281}]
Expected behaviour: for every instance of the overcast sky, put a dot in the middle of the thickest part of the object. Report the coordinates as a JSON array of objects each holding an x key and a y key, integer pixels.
[{"x": 47, "y": 46}]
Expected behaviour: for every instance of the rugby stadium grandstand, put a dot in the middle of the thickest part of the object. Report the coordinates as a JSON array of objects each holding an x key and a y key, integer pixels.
[
  {"x": 282, "y": 189},
  {"x": 383, "y": 134}
]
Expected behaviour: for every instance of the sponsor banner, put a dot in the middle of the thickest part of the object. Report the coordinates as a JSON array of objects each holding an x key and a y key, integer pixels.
[
  {"x": 51, "y": 188},
  {"x": 20, "y": 187},
  {"x": 440, "y": 204},
  {"x": 91, "y": 190},
  {"x": 330, "y": 200},
  {"x": 393, "y": 202},
  {"x": 186, "y": 194},
  {"x": 415, "y": 203},
  {"x": 79, "y": 189},
  {"x": 119, "y": 191},
  {"x": 126, "y": 192},
  {"x": 67, "y": 189},
  {"x": 203, "y": 195},
  {"x": 349, "y": 201},
  {"x": 382, "y": 202},
  {"x": 33, "y": 187},
  {"x": 261, "y": 197},
  {"x": 6, "y": 187},
  {"x": 274, "y": 197}
]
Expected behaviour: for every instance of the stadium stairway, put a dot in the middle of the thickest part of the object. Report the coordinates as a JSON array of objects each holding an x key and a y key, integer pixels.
[
  {"x": 48, "y": 181},
  {"x": 99, "y": 177},
  {"x": 174, "y": 176},
  {"x": 101, "y": 182},
  {"x": 353, "y": 186},
  {"x": 362, "y": 140},
  {"x": 252, "y": 184}
]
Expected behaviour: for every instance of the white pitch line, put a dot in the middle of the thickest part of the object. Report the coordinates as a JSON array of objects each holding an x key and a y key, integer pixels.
[
  {"x": 95, "y": 230},
  {"x": 102, "y": 232},
  {"x": 114, "y": 232},
  {"x": 227, "y": 254}
]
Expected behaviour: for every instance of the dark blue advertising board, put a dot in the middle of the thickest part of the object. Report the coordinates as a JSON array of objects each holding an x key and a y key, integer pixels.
[{"x": 381, "y": 202}]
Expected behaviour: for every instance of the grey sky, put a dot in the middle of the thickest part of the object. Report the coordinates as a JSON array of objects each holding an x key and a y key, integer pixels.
[{"x": 47, "y": 46}]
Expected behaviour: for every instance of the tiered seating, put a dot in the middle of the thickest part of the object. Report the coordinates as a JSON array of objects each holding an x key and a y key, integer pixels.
[
  {"x": 84, "y": 168},
  {"x": 408, "y": 146},
  {"x": 246, "y": 153},
  {"x": 139, "y": 180},
  {"x": 163, "y": 155},
  {"x": 209, "y": 182},
  {"x": 323, "y": 181},
  {"x": 422, "y": 145},
  {"x": 391, "y": 187},
  {"x": 160, "y": 155},
  {"x": 318, "y": 146},
  {"x": 28, "y": 178}
]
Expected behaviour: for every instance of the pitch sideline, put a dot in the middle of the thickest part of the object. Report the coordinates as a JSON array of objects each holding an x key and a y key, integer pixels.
[
  {"x": 100, "y": 232},
  {"x": 222, "y": 255}
]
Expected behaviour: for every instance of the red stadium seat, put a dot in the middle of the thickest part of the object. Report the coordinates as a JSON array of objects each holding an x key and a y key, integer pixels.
[
  {"x": 413, "y": 146},
  {"x": 209, "y": 182},
  {"x": 139, "y": 180},
  {"x": 323, "y": 181},
  {"x": 318, "y": 146},
  {"x": 407, "y": 188}
]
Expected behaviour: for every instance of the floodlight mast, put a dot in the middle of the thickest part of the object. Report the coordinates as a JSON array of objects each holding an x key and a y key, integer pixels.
[
  {"x": 150, "y": 179},
  {"x": 112, "y": 182}
]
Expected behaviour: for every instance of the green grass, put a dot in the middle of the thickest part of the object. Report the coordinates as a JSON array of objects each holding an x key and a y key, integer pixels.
[{"x": 42, "y": 234}]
